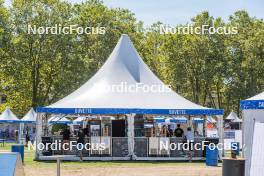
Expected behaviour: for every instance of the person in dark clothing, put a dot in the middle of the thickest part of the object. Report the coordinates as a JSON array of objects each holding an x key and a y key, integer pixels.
[
  {"x": 86, "y": 131},
  {"x": 66, "y": 133},
  {"x": 169, "y": 132},
  {"x": 80, "y": 136},
  {"x": 80, "y": 142},
  {"x": 27, "y": 138},
  {"x": 178, "y": 131}
]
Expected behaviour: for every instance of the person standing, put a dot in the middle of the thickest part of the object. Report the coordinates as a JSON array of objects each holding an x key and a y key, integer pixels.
[
  {"x": 27, "y": 138},
  {"x": 80, "y": 143},
  {"x": 66, "y": 133},
  {"x": 190, "y": 140},
  {"x": 178, "y": 132}
]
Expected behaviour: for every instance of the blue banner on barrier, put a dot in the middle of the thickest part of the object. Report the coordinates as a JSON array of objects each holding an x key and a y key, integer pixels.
[{"x": 129, "y": 111}]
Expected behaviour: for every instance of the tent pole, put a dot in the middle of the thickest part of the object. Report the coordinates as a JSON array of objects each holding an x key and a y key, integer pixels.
[
  {"x": 39, "y": 125},
  {"x": 130, "y": 135},
  {"x": 20, "y": 135},
  {"x": 243, "y": 136},
  {"x": 204, "y": 126}
]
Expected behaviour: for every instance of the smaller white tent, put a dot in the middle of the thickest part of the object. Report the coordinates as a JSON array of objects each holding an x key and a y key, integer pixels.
[
  {"x": 79, "y": 120},
  {"x": 237, "y": 120},
  {"x": 8, "y": 117},
  {"x": 231, "y": 116},
  {"x": 59, "y": 120},
  {"x": 30, "y": 117}
]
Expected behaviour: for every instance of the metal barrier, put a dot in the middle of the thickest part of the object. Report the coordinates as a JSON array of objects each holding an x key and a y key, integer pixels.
[{"x": 144, "y": 147}]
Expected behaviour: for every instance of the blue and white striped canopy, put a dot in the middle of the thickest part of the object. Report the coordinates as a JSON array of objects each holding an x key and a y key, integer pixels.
[{"x": 162, "y": 119}]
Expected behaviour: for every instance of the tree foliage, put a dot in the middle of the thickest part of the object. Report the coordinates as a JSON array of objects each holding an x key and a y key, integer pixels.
[{"x": 213, "y": 70}]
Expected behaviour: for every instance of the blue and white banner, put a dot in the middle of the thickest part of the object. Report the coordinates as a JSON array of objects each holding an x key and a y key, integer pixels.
[
  {"x": 252, "y": 104},
  {"x": 129, "y": 111}
]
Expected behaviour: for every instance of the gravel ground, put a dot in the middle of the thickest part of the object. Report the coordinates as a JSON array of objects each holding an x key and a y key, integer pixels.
[{"x": 126, "y": 171}]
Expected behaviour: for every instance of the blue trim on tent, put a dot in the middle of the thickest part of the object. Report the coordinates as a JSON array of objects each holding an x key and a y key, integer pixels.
[
  {"x": 129, "y": 111},
  {"x": 27, "y": 121},
  {"x": 160, "y": 120},
  {"x": 77, "y": 123},
  {"x": 198, "y": 120},
  {"x": 179, "y": 120},
  {"x": 252, "y": 104},
  {"x": 10, "y": 121},
  {"x": 60, "y": 122}
]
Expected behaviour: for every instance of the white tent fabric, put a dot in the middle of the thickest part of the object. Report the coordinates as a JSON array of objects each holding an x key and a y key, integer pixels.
[
  {"x": 30, "y": 117},
  {"x": 257, "y": 159},
  {"x": 237, "y": 120},
  {"x": 9, "y": 117},
  {"x": 79, "y": 120},
  {"x": 59, "y": 120},
  {"x": 231, "y": 116},
  {"x": 257, "y": 97},
  {"x": 252, "y": 112},
  {"x": 210, "y": 119},
  {"x": 124, "y": 82}
]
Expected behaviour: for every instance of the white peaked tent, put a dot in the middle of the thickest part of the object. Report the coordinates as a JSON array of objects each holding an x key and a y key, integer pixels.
[
  {"x": 8, "y": 117},
  {"x": 30, "y": 117},
  {"x": 237, "y": 120},
  {"x": 231, "y": 116},
  {"x": 252, "y": 112},
  {"x": 126, "y": 85},
  {"x": 79, "y": 120},
  {"x": 124, "y": 67},
  {"x": 59, "y": 120}
]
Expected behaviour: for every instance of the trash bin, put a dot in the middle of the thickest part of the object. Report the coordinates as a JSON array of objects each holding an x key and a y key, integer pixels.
[
  {"x": 235, "y": 148},
  {"x": 209, "y": 141},
  {"x": 19, "y": 149},
  {"x": 211, "y": 156},
  {"x": 234, "y": 167}
]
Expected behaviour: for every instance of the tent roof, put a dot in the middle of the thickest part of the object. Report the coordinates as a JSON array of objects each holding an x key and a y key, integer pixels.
[
  {"x": 232, "y": 116},
  {"x": 237, "y": 120},
  {"x": 80, "y": 119},
  {"x": 30, "y": 117},
  {"x": 257, "y": 97},
  {"x": 8, "y": 116},
  {"x": 125, "y": 68},
  {"x": 255, "y": 102},
  {"x": 59, "y": 120}
]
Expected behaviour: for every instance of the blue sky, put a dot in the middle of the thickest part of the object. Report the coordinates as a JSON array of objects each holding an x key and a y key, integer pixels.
[{"x": 181, "y": 11}]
